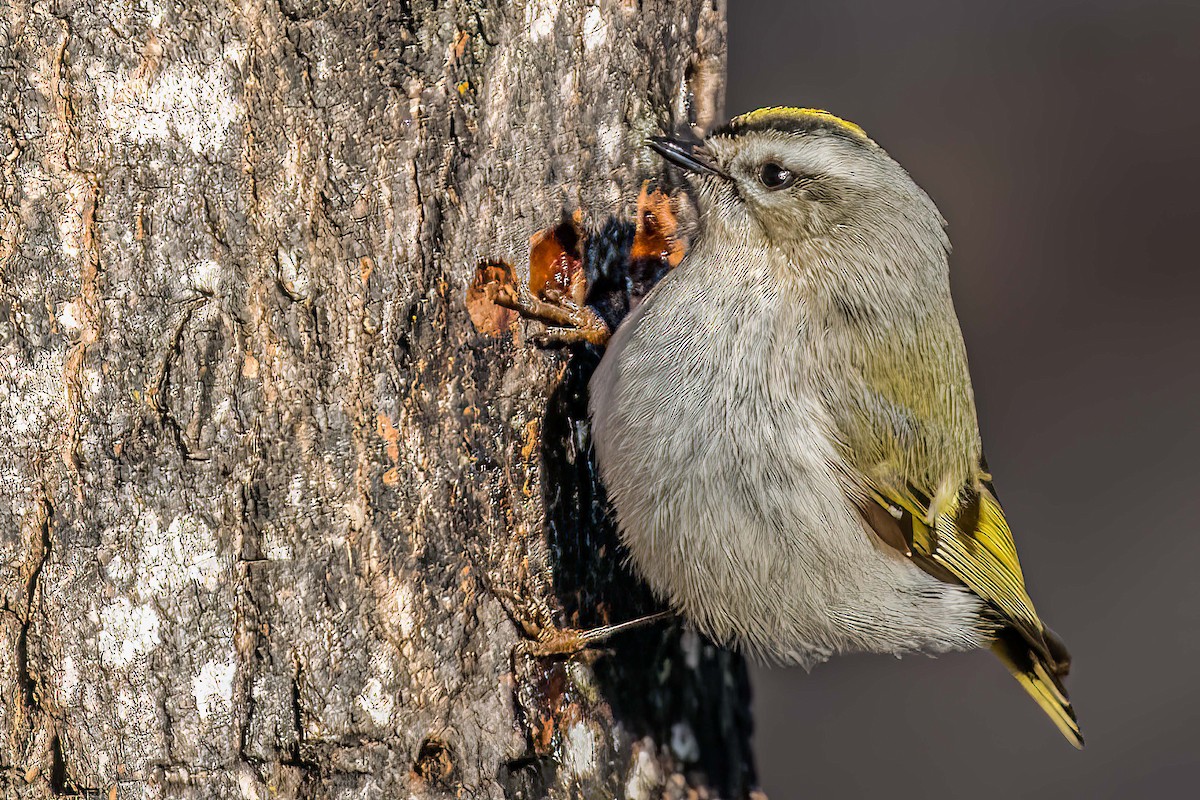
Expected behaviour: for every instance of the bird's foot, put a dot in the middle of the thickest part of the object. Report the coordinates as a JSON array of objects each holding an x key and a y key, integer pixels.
[
  {"x": 566, "y": 321},
  {"x": 569, "y": 641},
  {"x": 544, "y": 639}
]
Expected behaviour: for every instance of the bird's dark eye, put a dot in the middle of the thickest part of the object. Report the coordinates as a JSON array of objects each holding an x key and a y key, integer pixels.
[{"x": 774, "y": 176}]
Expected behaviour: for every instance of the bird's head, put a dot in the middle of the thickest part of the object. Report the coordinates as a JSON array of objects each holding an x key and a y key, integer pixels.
[{"x": 790, "y": 176}]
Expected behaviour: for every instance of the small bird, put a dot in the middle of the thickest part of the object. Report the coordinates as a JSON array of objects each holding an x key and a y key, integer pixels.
[{"x": 786, "y": 425}]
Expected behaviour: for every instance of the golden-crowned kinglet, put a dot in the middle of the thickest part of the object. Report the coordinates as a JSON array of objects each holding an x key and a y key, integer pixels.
[{"x": 786, "y": 426}]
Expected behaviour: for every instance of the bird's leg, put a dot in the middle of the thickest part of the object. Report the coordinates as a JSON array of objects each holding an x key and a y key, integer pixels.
[
  {"x": 535, "y": 619},
  {"x": 568, "y": 323},
  {"x": 568, "y": 641}
]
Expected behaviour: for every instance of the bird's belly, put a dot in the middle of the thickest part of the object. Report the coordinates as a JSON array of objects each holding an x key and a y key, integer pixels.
[{"x": 728, "y": 500}]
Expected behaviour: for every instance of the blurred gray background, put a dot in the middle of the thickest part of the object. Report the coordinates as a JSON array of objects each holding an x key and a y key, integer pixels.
[{"x": 1062, "y": 142}]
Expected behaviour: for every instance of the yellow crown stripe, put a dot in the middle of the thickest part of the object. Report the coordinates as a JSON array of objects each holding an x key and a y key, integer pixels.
[{"x": 789, "y": 112}]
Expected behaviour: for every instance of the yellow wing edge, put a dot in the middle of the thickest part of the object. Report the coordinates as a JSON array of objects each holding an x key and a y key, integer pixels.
[
  {"x": 1042, "y": 686},
  {"x": 969, "y": 538}
]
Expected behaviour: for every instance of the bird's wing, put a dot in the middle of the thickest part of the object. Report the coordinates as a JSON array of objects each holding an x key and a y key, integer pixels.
[{"x": 967, "y": 540}]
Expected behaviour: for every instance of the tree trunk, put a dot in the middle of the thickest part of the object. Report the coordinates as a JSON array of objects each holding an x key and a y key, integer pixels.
[{"x": 262, "y": 483}]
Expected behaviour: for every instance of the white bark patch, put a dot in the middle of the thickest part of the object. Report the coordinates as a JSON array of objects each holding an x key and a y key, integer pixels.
[
  {"x": 69, "y": 679},
  {"x": 540, "y": 16},
  {"x": 595, "y": 29},
  {"x": 92, "y": 381},
  {"x": 402, "y": 600},
  {"x": 155, "y": 10},
  {"x": 33, "y": 401},
  {"x": 213, "y": 688},
  {"x": 31, "y": 391},
  {"x": 206, "y": 276},
  {"x": 293, "y": 274},
  {"x": 118, "y": 570},
  {"x": 172, "y": 559},
  {"x": 296, "y": 491},
  {"x": 567, "y": 87},
  {"x": 180, "y": 104},
  {"x": 155, "y": 561},
  {"x": 275, "y": 548},
  {"x": 379, "y": 705},
  {"x": 248, "y": 783},
  {"x": 609, "y": 137},
  {"x": 127, "y": 632},
  {"x": 645, "y": 778},
  {"x": 579, "y": 750}
]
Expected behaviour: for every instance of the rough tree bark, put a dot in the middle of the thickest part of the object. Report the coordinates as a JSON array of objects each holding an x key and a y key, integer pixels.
[{"x": 258, "y": 472}]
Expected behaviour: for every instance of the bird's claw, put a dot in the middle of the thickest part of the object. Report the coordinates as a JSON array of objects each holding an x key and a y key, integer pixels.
[
  {"x": 566, "y": 322},
  {"x": 544, "y": 639}
]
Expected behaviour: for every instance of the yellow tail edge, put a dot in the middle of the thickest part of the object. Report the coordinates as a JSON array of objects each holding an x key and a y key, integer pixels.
[{"x": 1029, "y": 670}]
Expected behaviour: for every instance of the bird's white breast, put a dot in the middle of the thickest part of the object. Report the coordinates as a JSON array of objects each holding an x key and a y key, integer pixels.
[{"x": 718, "y": 459}]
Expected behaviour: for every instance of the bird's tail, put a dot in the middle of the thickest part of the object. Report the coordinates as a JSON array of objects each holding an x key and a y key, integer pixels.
[{"x": 1040, "y": 675}]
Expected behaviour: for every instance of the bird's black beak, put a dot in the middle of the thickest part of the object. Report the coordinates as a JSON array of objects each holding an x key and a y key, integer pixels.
[{"x": 688, "y": 155}]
